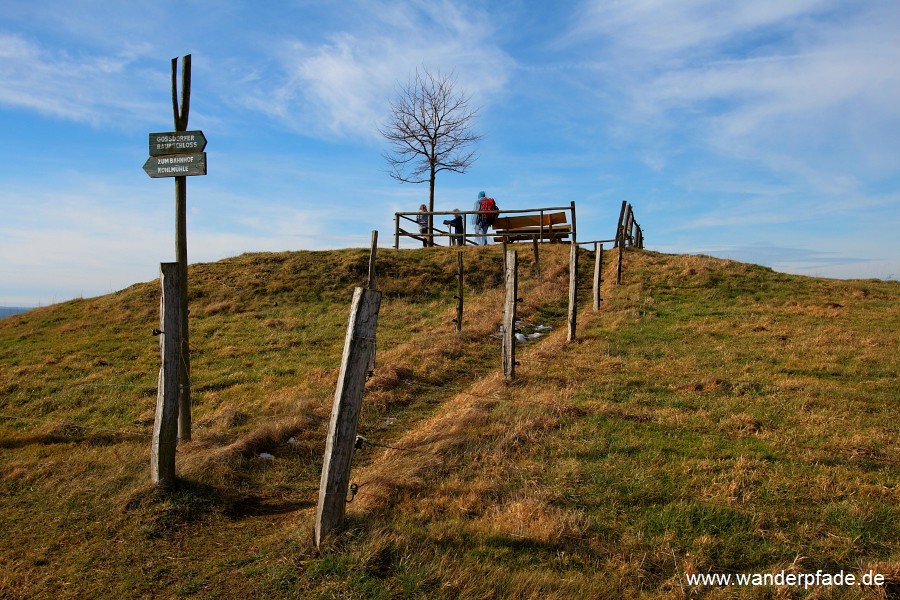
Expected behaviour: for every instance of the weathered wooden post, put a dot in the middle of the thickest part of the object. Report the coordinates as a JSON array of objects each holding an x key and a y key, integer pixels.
[
  {"x": 371, "y": 282},
  {"x": 621, "y": 243},
  {"x": 574, "y": 229},
  {"x": 509, "y": 315},
  {"x": 626, "y": 227},
  {"x": 459, "y": 291},
  {"x": 358, "y": 347},
  {"x": 165, "y": 423},
  {"x": 621, "y": 217},
  {"x": 542, "y": 226},
  {"x": 632, "y": 224},
  {"x": 537, "y": 259},
  {"x": 396, "y": 230},
  {"x": 371, "y": 285},
  {"x": 573, "y": 292},
  {"x": 598, "y": 273}
]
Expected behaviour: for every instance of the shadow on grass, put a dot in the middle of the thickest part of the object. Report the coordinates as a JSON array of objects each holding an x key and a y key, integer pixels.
[
  {"x": 162, "y": 510},
  {"x": 67, "y": 433}
]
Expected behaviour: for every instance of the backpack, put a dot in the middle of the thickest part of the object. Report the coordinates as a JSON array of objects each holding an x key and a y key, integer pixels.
[{"x": 488, "y": 204}]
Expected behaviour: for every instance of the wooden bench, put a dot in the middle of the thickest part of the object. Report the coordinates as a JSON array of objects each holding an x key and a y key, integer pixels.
[{"x": 550, "y": 226}]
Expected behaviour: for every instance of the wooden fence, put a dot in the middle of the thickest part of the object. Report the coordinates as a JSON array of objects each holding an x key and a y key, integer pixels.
[
  {"x": 434, "y": 237},
  {"x": 358, "y": 360}
]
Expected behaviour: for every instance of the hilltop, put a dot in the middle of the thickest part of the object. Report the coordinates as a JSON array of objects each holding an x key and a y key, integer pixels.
[{"x": 713, "y": 417}]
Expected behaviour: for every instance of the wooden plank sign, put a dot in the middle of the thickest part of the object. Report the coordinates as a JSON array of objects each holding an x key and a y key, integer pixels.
[
  {"x": 176, "y": 165},
  {"x": 177, "y": 142}
]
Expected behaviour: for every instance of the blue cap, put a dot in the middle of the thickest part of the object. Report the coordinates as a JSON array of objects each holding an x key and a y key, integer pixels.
[{"x": 481, "y": 195}]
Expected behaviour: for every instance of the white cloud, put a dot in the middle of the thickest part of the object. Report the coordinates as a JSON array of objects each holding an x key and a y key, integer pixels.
[
  {"x": 807, "y": 90},
  {"x": 639, "y": 31},
  {"x": 92, "y": 88},
  {"x": 342, "y": 85}
]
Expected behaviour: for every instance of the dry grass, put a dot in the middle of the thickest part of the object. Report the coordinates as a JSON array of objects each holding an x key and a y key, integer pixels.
[{"x": 712, "y": 417}]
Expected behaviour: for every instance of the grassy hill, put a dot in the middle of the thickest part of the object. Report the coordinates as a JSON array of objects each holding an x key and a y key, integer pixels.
[{"x": 713, "y": 417}]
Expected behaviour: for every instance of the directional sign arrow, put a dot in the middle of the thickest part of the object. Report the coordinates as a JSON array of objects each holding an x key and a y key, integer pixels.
[
  {"x": 176, "y": 165},
  {"x": 177, "y": 142}
]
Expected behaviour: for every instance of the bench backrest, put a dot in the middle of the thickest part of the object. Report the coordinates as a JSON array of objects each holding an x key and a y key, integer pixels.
[{"x": 507, "y": 223}]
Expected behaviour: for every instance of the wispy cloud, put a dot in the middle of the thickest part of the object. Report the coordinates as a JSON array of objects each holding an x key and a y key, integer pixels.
[
  {"x": 93, "y": 88},
  {"x": 342, "y": 85},
  {"x": 807, "y": 88}
]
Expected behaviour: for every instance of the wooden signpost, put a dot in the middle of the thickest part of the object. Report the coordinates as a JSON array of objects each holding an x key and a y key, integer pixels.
[{"x": 180, "y": 154}]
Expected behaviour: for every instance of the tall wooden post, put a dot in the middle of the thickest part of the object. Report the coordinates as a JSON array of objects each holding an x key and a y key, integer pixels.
[
  {"x": 508, "y": 344},
  {"x": 573, "y": 292},
  {"x": 619, "y": 225},
  {"x": 165, "y": 424},
  {"x": 358, "y": 346},
  {"x": 181, "y": 123},
  {"x": 459, "y": 291},
  {"x": 598, "y": 273}
]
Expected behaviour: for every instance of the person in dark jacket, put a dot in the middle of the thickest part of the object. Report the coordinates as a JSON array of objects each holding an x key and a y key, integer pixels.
[{"x": 456, "y": 228}]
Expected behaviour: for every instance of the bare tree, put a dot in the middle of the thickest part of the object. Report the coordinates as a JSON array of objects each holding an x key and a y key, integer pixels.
[{"x": 429, "y": 130}]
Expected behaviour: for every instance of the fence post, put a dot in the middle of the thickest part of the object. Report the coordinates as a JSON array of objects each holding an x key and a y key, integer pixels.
[
  {"x": 165, "y": 423},
  {"x": 632, "y": 227},
  {"x": 626, "y": 227},
  {"x": 573, "y": 289},
  {"x": 371, "y": 285},
  {"x": 598, "y": 273},
  {"x": 372, "y": 252},
  {"x": 542, "y": 226},
  {"x": 358, "y": 347},
  {"x": 574, "y": 230},
  {"x": 621, "y": 217},
  {"x": 621, "y": 243},
  {"x": 509, "y": 315},
  {"x": 537, "y": 259},
  {"x": 396, "y": 231},
  {"x": 459, "y": 291}
]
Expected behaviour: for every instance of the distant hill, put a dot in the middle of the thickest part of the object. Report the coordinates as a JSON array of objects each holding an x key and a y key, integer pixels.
[{"x": 8, "y": 311}]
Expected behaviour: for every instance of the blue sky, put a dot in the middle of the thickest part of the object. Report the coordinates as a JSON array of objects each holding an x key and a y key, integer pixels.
[{"x": 762, "y": 131}]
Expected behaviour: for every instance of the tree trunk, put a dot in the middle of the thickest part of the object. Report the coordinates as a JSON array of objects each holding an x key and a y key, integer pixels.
[{"x": 431, "y": 206}]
